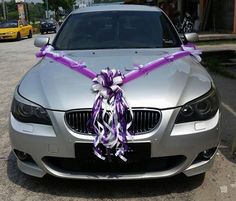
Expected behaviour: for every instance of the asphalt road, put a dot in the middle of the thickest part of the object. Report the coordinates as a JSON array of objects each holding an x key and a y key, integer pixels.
[{"x": 16, "y": 58}]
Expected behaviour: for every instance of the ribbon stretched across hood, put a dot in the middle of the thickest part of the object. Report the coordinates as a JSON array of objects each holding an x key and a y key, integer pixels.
[{"x": 110, "y": 108}]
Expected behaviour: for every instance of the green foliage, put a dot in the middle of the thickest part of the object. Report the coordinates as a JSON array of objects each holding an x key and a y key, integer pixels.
[
  {"x": 36, "y": 11},
  {"x": 12, "y": 15},
  {"x": 11, "y": 10},
  {"x": 11, "y": 6},
  {"x": 54, "y": 5}
]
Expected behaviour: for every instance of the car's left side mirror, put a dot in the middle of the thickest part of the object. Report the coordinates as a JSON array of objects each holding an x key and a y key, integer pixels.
[
  {"x": 41, "y": 41},
  {"x": 191, "y": 37}
]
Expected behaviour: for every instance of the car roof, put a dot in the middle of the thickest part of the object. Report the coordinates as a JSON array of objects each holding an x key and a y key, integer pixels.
[{"x": 116, "y": 7}]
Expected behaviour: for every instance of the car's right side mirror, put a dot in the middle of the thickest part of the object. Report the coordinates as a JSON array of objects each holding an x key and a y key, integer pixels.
[
  {"x": 41, "y": 41},
  {"x": 191, "y": 37}
]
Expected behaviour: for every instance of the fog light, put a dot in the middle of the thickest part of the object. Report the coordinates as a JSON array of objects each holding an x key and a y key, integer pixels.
[
  {"x": 205, "y": 155},
  {"x": 23, "y": 156}
]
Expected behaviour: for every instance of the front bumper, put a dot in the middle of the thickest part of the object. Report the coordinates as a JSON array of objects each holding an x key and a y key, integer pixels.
[
  {"x": 8, "y": 36},
  {"x": 45, "y": 29},
  {"x": 188, "y": 140}
]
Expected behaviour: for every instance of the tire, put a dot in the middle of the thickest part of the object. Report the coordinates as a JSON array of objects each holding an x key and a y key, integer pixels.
[
  {"x": 30, "y": 34},
  {"x": 18, "y": 37},
  {"x": 188, "y": 28},
  {"x": 55, "y": 31},
  {"x": 42, "y": 32}
]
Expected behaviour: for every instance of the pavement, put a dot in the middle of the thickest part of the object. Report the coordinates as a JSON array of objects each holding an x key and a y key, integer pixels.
[{"x": 16, "y": 58}]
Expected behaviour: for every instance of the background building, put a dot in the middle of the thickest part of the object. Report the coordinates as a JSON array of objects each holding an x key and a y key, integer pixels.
[
  {"x": 211, "y": 15},
  {"x": 214, "y": 15}
]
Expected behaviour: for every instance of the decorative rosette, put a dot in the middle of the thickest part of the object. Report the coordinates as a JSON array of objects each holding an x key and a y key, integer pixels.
[{"x": 109, "y": 114}]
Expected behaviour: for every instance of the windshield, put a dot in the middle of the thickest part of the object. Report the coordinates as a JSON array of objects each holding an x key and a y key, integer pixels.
[
  {"x": 116, "y": 29},
  {"x": 9, "y": 24},
  {"x": 47, "y": 21}
]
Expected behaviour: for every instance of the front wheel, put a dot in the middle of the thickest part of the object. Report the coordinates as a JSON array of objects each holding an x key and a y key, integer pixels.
[
  {"x": 18, "y": 37},
  {"x": 30, "y": 34},
  {"x": 188, "y": 28}
]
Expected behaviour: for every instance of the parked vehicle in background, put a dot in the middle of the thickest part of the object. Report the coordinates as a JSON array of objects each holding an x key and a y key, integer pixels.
[
  {"x": 48, "y": 25},
  {"x": 185, "y": 26},
  {"x": 15, "y": 29}
]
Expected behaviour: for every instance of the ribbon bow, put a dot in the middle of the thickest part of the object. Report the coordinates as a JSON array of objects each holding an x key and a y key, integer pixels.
[
  {"x": 44, "y": 50},
  {"x": 109, "y": 114},
  {"x": 193, "y": 50}
]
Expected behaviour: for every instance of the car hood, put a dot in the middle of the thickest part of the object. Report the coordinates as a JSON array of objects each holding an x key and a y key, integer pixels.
[
  {"x": 5, "y": 30},
  {"x": 57, "y": 87}
]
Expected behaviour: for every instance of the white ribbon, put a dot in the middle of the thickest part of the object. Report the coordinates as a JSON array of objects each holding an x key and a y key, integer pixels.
[{"x": 109, "y": 107}]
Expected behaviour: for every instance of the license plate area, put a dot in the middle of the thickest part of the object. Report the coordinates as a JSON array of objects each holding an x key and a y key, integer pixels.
[{"x": 137, "y": 152}]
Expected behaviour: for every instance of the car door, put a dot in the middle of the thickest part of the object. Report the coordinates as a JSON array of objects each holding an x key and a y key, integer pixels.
[
  {"x": 26, "y": 28},
  {"x": 21, "y": 28}
]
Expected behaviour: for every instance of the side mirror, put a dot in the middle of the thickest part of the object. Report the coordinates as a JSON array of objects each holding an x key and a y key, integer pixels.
[
  {"x": 21, "y": 26},
  {"x": 41, "y": 41},
  {"x": 191, "y": 37}
]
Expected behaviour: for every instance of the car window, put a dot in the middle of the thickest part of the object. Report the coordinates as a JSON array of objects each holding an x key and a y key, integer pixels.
[
  {"x": 116, "y": 29},
  {"x": 9, "y": 24},
  {"x": 168, "y": 33}
]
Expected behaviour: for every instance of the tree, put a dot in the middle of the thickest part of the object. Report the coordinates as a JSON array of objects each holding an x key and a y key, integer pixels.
[
  {"x": 11, "y": 9},
  {"x": 36, "y": 11},
  {"x": 54, "y": 5}
]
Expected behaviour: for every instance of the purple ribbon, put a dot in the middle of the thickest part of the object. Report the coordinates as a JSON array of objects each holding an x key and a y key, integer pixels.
[
  {"x": 60, "y": 58},
  {"x": 110, "y": 108},
  {"x": 109, "y": 114}
]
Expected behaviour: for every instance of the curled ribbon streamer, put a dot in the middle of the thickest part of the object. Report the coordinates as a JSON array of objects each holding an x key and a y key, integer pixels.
[
  {"x": 110, "y": 107},
  {"x": 109, "y": 114}
]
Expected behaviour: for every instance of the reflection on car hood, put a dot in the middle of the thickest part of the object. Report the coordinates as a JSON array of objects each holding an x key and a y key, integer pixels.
[{"x": 57, "y": 87}]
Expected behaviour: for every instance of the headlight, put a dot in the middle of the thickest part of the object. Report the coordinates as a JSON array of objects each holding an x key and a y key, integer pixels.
[
  {"x": 203, "y": 108},
  {"x": 10, "y": 32},
  {"x": 29, "y": 114}
]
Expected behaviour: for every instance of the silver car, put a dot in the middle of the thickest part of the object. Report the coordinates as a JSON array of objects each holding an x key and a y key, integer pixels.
[{"x": 176, "y": 107}]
